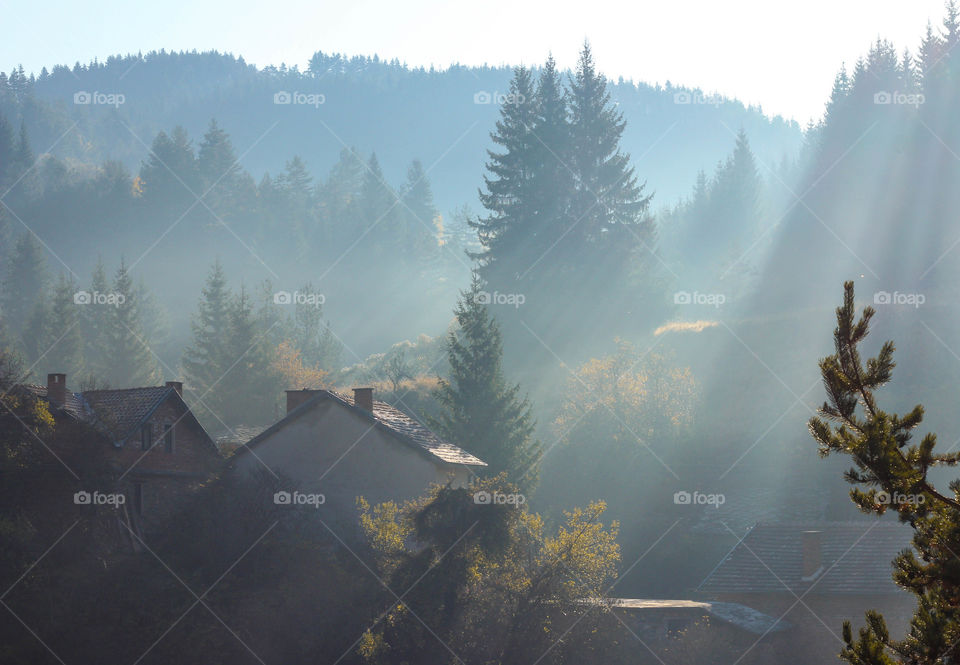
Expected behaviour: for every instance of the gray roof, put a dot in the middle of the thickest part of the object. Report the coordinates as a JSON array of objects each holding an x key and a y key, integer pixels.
[
  {"x": 857, "y": 559},
  {"x": 386, "y": 418},
  {"x": 236, "y": 436},
  {"x": 744, "y": 617},
  {"x": 116, "y": 412},
  {"x": 121, "y": 412}
]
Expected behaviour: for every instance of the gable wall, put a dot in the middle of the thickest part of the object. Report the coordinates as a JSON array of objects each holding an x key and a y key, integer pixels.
[
  {"x": 192, "y": 453},
  {"x": 335, "y": 452}
]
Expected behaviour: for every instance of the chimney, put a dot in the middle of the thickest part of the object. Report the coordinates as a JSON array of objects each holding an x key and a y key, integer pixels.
[
  {"x": 57, "y": 388},
  {"x": 363, "y": 397},
  {"x": 297, "y": 397},
  {"x": 812, "y": 555},
  {"x": 176, "y": 385}
]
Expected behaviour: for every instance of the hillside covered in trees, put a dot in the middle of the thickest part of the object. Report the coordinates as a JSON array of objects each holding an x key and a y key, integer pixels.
[{"x": 612, "y": 294}]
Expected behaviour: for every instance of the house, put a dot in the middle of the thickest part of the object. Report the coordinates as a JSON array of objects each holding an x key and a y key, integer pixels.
[
  {"x": 815, "y": 575},
  {"x": 340, "y": 447},
  {"x": 152, "y": 443}
]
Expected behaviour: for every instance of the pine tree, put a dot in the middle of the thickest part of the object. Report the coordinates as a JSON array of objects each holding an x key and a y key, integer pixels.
[
  {"x": 419, "y": 233},
  {"x": 96, "y": 331},
  {"x": 246, "y": 391},
  {"x": 608, "y": 214},
  {"x": 132, "y": 362},
  {"x": 7, "y": 149},
  {"x": 23, "y": 285},
  {"x": 507, "y": 195},
  {"x": 216, "y": 160},
  {"x": 551, "y": 179},
  {"x": 23, "y": 158},
  {"x": 888, "y": 464},
  {"x": 951, "y": 25},
  {"x": 838, "y": 96},
  {"x": 480, "y": 412},
  {"x": 169, "y": 178},
  {"x": 296, "y": 187},
  {"x": 931, "y": 54},
  {"x": 312, "y": 335},
  {"x": 737, "y": 192},
  {"x": 62, "y": 335},
  {"x": 207, "y": 358},
  {"x": 380, "y": 208}
]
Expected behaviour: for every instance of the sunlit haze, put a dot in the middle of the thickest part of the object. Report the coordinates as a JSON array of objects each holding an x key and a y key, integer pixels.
[{"x": 781, "y": 55}]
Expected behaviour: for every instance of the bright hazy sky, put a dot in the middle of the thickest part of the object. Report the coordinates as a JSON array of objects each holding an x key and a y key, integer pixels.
[{"x": 782, "y": 55}]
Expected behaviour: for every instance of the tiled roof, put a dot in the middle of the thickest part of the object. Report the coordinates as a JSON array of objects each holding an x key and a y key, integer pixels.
[
  {"x": 237, "y": 436},
  {"x": 857, "y": 559},
  {"x": 120, "y": 412},
  {"x": 388, "y": 419},
  {"x": 74, "y": 405},
  {"x": 405, "y": 426}
]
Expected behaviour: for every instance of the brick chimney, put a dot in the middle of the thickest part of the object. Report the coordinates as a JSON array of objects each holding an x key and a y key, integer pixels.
[
  {"x": 363, "y": 397},
  {"x": 297, "y": 397},
  {"x": 176, "y": 385},
  {"x": 812, "y": 543},
  {"x": 57, "y": 388}
]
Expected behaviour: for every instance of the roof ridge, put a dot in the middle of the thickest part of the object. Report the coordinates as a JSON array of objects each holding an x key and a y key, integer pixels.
[
  {"x": 120, "y": 390},
  {"x": 431, "y": 444}
]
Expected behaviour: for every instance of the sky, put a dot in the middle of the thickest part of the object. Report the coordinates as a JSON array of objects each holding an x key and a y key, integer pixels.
[{"x": 780, "y": 55}]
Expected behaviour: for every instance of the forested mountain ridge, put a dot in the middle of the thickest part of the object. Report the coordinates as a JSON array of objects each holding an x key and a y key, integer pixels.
[{"x": 364, "y": 102}]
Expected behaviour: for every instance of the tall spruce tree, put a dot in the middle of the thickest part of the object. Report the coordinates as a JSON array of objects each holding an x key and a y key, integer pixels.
[
  {"x": 24, "y": 284},
  {"x": 63, "y": 330},
  {"x": 551, "y": 178},
  {"x": 380, "y": 210},
  {"x": 479, "y": 410},
  {"x": 248, "y": 385},
  {"x": 132, "y": 362},
  {"x": 888, "y": 464},
  {"x": 608, "y": 212},
  {"x": 208, "y": 357},
  {"x": 216, "y": 160},
  {"x": 507, "y": 194},
  {"x": 419, "y": 233},
  {"x": 96, "y": 327}
]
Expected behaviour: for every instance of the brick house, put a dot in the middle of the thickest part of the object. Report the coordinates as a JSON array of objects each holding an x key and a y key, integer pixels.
[
  {"x": 343, "y": 447},
  {"x": 815, "y": 576},
  {"x": 152, "y": 443}
]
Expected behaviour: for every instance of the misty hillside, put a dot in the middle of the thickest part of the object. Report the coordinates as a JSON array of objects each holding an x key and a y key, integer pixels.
[
  {"x": 401, "y": 113},
  {"x": 480, "y": 365}
]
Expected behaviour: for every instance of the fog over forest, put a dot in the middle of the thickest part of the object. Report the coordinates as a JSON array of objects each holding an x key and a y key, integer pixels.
[{"x": 350, "y": 361}]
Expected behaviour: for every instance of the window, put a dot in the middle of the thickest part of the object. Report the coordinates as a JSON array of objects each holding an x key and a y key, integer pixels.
[
  {"x": 146, "y": 437},
  {"x": 168, "y": 437}
]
